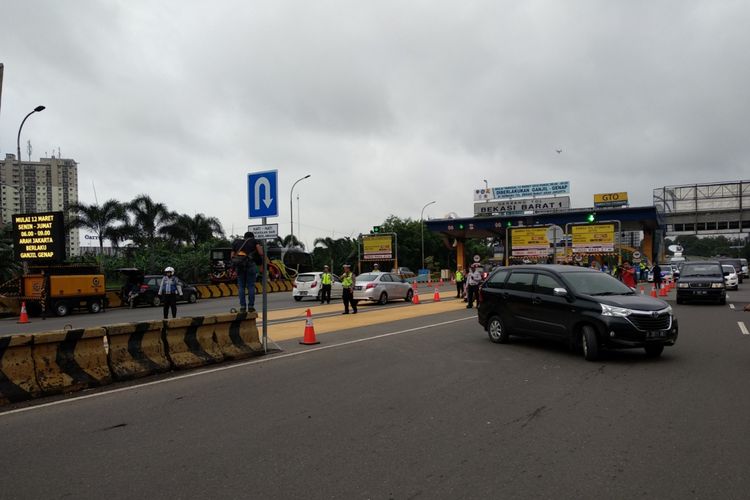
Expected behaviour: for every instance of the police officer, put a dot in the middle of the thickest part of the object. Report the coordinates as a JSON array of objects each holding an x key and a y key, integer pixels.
[
  {"x": 169, "y": 290},
  {"x": 347, "y": 281},
  {"x": 459, "y": 282},
  {"x": 376, "y": 268},
  {"x": 473, "y": 279},
  {"x": 326, "y": 279}
]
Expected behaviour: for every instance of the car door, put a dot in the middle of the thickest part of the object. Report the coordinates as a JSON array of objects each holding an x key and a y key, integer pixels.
[
  {"x": 399, "y": 287},
  {"x": 492, "y": 300},
  {"x": 337, "y": 288},
  {"x": 550, "y": 314},
  {"x": 517, "y": 296},
  {"x": 385, "y": 285}
]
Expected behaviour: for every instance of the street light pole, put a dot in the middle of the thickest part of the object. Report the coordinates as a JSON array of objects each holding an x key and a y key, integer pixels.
[
  {"x": 421, "y": 224},
  {"x": 18, "y": 150},
  {"x": 291, "y": 207}
]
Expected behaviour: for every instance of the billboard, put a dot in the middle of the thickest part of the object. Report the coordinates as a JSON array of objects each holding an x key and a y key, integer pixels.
[
  {"x": 610, "y": 199},
  {"x": 593, "y": 238},
  {"x": 39, "y": 237},
  {"x": 529, "y": 242},
  {"x": 518, "y": 207},
  {"x": 531, "y": 190},
  {"x": 377, "y": 247}
]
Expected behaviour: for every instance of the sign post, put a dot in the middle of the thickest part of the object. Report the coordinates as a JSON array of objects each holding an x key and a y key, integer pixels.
[{"x": 263, "y": 202}]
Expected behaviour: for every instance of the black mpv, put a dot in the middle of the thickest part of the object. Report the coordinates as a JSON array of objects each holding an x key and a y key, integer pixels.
[{"x": 586, "y": 308}]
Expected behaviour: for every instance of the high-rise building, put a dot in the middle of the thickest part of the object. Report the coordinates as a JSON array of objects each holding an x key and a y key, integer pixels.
[{"x": 47, "y": 185}]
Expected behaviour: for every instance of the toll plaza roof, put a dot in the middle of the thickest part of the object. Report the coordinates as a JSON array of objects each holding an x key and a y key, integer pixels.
[{"x": 484, "y": 226}]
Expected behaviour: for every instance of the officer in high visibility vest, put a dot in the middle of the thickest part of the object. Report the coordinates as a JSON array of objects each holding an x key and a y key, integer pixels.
[
  {"x": 326, "y": 279},
  {"x": 376, "y": 268},
  {"x": 347, "y": 281},
  {"x": 459, "y": 283}
]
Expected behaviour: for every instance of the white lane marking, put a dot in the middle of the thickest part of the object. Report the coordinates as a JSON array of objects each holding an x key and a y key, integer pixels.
[
  {"x": 731, "y": 306},
  {"x": 230, "y": 367},
  {"x": 743, "y": 328}
]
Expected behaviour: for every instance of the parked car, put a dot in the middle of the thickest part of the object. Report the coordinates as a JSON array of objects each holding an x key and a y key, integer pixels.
[
  {"x": 382, "y": 287},
  {"x": 406, "y": 273},
  {"x": 743, "y": 263},
  {"x": 701, "y": 281},
  {"x": 667, "y": 271},
  {"x": 730, "y": 277},
  {"x": 143, "y": 289},
  {"x": 582, "y": 307},
  {"x": 736, "y": 263},
  {"x": 309, "y": 285}
]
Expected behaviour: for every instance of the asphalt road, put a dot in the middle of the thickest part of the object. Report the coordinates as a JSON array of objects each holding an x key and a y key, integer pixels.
[{"x": 420, "y": 408}]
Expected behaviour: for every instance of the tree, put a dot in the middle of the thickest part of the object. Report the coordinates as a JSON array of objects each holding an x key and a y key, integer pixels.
[
  {"x": 193, "y": 230},
  {"x": 147, "y": 218},
  {"x": 101, "y": 220},
  {"x": 335, "y": 252},
  {"x": 290, "y": 241}
]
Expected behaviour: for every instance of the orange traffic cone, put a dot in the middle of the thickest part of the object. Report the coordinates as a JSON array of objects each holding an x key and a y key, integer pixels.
[
  {"x": 653, "y": 291},
  {"x": 643, "y": 291},
  {"x": 415, "y": 298},
  {"x": 663, "y": 291},
  {"x": 309, "y": 331},
  {"x": 24, "y": 318},
  {"x": 436, "y": 296}
]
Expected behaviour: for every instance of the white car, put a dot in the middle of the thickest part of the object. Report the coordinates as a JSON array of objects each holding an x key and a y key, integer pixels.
[
  {"x": 382, "y": 287},
  {"x": 309, "y": 285},
  {"x": 731, "y": 281}
]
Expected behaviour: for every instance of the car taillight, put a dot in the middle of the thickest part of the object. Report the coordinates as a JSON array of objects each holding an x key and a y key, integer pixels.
[
  {"x": 294, "y": 285},
  {"x": 144, "y": 288},
  {"x": 370, "y": 285},
  {"x": 314, "y": 284}
]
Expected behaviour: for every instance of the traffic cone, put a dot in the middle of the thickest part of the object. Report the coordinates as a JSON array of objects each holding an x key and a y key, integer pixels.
[
  {"x": 309, "y": 331},
  {"x": 643, "y": 291},
  {"x": 24, "y": 318},
  {"x": 436, "y": 295},
  {"x": 663, "y": 291},
  {"x": 653, "y": 291},
  {"x": 415, "y": 298}
]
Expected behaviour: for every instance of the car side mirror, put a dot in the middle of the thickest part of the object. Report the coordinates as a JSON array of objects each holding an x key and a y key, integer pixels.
[{"x": 560, "y": 292}]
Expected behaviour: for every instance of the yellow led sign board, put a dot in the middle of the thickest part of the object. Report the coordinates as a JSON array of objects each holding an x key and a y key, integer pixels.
[{"x": 39, "y": 237}]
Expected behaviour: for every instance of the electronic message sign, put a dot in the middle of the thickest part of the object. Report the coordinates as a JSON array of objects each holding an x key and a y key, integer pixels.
[
  {"x": 529, "y": 242},
  {"x": 377, "y": 247},
  {"x": 593, "y": 238},
  {"x": 39, "y": 237}
]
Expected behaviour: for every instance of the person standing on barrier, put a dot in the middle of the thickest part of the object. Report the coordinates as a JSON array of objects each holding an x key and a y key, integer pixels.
[
  {"x": 247, "y": 255},
  {"x": 326, "y": 280},
  {"x": 473, "y": 279},
  {"x": 347, "y": 280},
  {"x": 169, "y": 290},
  {"x": 459, "y": 282}
]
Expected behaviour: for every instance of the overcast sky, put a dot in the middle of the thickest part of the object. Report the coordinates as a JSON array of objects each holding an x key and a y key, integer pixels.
[{"x": 388, "y": 104}]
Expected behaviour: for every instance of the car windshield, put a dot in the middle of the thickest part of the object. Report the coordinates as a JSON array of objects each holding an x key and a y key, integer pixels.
[
  {"x": 367, "y": 277},
  {"x": 699, "y": 270},
  {"x": 304, "y": 278},
  {"x": 728, "y": 269},
  {"x": 596, "y": 283}
]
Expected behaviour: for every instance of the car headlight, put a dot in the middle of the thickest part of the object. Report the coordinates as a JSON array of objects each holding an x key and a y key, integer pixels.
[
  {"x": 717, "y": 285},
  {"x": 683, "y": 285},
  {"x": 669, "y": 310},
  {"x": 619, "y": 312}
]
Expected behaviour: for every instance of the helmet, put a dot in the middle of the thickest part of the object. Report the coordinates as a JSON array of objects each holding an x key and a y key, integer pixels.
[{"x": 169, "y": 269}]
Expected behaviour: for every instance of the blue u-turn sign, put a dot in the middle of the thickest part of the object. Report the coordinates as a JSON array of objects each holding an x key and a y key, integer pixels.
[{"x": 262, "y": 194}]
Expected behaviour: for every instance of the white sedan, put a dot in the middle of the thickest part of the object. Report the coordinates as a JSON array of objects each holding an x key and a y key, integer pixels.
[
  {"x": 731, "y": 280},
  {"x": 382, "y": 287},
  {"x": 309, "y": 285}
]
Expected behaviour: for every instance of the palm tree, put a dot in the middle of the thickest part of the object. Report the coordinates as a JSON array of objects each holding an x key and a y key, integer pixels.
[
  {"x": 147, "y": 218},
  {"x": 290, "y": 241},
  {"x": 99, "y": 219},
  {"x": 193, "y": 230},
  {"x": 338, "y": 252}
]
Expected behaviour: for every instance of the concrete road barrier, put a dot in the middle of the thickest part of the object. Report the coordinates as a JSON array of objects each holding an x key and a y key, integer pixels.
[
  {"x": 203, "y": 291},
  {"x": 70, "y": 360},
  {"x": 17, "y": 377},
  {"x": 191, "y": 343},
  {"x": 225, "y": 291},
  {"x": 234, "y": 289},
  {"x": 236, "y": 336},
  {"x": 215, "y": 291},
  {"x": 137, "y": 349}
]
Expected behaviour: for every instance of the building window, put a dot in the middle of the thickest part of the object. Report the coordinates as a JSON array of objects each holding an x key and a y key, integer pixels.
[
  {"x": 722, "y": 225},
  {"x": 690, "y": 227},
  {"x": 734, "y": 224},
  {"x": 701, "y": 226},
  {"x": 679, "y": 227},
  {"x": 711, "y": 226}
]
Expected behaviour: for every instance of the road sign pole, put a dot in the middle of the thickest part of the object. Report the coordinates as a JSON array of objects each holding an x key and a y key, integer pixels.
[{"x": 264, "y": 283}]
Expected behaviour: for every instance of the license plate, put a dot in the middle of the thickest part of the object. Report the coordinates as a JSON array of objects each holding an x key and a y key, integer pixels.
[
  {"x": 358, "y": 288},
  {"x": 303, "y": 292},
  {"x": 656, "y": 335}
]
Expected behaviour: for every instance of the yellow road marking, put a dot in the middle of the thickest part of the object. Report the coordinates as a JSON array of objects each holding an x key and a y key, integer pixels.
[{"x": 296, "y": 329}]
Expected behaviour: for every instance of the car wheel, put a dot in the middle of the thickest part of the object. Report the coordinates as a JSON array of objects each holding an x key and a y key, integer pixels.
[
  {"x": 409, "y": 295},
  {"x": 95, "y": 306},
  {"x": 496, "y": 330},
  {"x": 192, "y": 298},
  {"x": 383, "y": 299},
  {"x": 654, "y": 350},
  {"x": 589, "y": 343},
  {"x": 297, "y": 298},
  {"x": 680, "y": 301},
  {"x": 722, "y": 301},
  {"x": 61, "y": 308},
  {"x": 156, "y": 301}
]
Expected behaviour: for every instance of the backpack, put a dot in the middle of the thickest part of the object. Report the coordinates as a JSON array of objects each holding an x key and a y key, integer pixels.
[{"x": 240, "y": 259}]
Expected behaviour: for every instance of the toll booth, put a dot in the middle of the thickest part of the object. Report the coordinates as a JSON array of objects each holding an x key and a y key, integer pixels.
[{"x": 639, "y": 229}]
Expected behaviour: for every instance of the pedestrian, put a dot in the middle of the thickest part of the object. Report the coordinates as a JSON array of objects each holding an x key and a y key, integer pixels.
[
  {"x": 169, "y": 289},
  {"x": 326, "y": 280},
  {"x": 247, "y": 254},
  {"x": 627, "y": 274},
  {"x": 347, "y": 282},
  {"x": 657, "y": 275},
  {"x": 473, "y": 279},
  {"x": 460, "y": 282},
  {"x": 376, "y": 268}
]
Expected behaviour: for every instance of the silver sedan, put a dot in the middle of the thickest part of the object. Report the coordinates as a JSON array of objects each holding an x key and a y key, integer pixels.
[{"x": 382, "y": 287}]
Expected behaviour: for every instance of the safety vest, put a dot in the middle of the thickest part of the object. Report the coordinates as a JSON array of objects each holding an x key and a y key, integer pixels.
[
  {"x": 347, "y": 280},
  {"x": 326, "y": 279},
  {"x": 459, "y": 276}
]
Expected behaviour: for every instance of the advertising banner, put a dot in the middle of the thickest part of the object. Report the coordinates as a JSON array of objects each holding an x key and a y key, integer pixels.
[
  {"x": 529, "y": 242},
  {"x": 593, "y": 238},
  {"x": 39, "y": 237},
  {"x": 531, "y": 190},
  {"x": 610, "y": 199},
  {"x": 519, "y": 207},
  {"x": 377, "y": 247}
]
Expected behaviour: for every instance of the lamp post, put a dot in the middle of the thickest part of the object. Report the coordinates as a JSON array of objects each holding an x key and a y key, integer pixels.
[
  {"x": 291, "y": 207},
  {"x": 421, "y": 224},
  {"x": 18, "y": 150}
]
